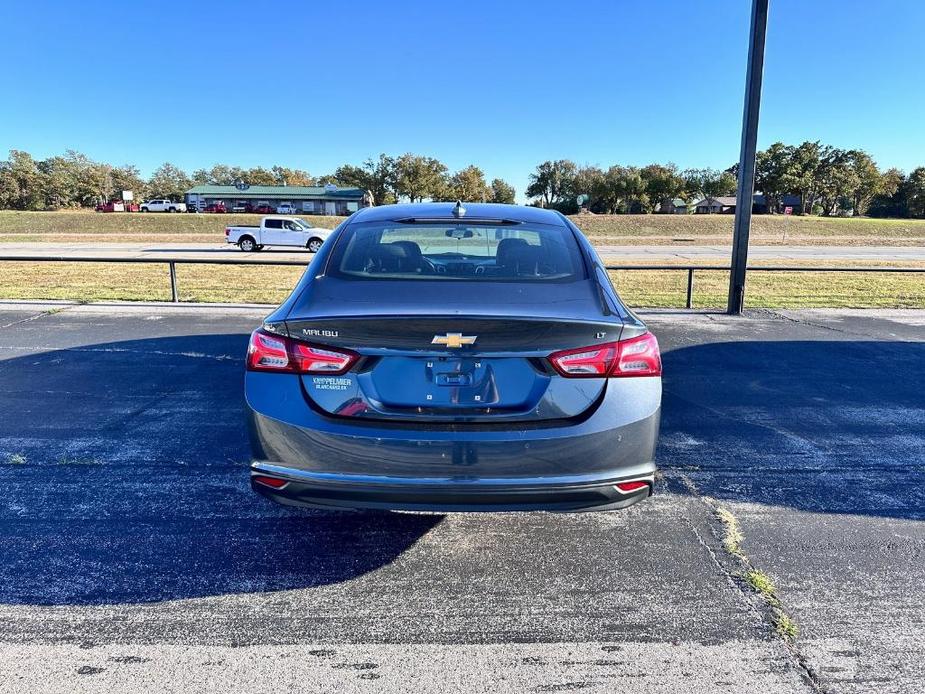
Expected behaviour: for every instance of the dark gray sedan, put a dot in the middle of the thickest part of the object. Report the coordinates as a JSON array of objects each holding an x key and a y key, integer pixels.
[{"x": 445, "y": 357}]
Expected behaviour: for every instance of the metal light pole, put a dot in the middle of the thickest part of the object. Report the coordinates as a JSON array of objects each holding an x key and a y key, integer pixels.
[{"x": 746, "y": 188}]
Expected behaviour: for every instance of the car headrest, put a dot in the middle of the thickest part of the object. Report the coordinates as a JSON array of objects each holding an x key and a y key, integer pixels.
[
  {"x": 505, "y": 248},
  {"x": 523, "y": 259},
  {"x": 412, "y": 251}
]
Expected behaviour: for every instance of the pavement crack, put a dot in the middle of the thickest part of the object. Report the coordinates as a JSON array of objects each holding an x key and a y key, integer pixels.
[
  {"x": 122, "y": 350},
  {"x": 724, "y": 547},
  {"x": 41, "y": 314},
  {"x": 813, "y": 324}
]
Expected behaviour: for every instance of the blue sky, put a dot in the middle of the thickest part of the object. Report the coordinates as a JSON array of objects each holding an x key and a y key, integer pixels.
[{"x": 504, "y": 85}]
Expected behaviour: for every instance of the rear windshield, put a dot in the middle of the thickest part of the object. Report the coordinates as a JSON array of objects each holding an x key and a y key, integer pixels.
[{"x": 457, "y": 251}]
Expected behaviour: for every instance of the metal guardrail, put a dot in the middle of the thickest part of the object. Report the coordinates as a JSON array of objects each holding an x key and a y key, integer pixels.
[
  {"x": 171, "y": 262},
  {"x": 689, "y": 269},
  {"x": 689, "y": 303}
]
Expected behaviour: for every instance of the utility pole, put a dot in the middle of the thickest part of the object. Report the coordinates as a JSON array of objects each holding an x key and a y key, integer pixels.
[{"x": 746, "y": 187}]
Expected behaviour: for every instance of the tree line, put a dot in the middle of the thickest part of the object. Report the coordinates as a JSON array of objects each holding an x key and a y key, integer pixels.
[
  {"x": 826, "y": 180},
  {"x": 74, "y": 180}
]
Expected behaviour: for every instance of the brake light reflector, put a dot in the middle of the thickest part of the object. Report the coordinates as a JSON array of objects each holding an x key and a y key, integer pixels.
[
  {"x": 272, "y": 482},
  {"x": 628, "y": 487},
  {"x": 269, "y": 352},
  {"x": 637, "y": 356},
  {"x": 227, "y": 231}
]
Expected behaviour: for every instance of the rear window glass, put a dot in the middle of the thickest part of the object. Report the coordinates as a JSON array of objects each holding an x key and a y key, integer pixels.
[{"x": 457, "y": 251}]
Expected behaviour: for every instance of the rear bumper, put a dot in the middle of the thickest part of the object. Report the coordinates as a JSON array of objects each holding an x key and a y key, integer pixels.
[
  {"x": 374, "y": 492},
  {"x": 334, "y": 462}
]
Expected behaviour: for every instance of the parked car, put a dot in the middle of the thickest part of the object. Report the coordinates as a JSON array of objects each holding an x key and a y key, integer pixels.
[
  {"x": 285, "y": 208},
  {"x": 277, "y": 231},
  {"x": 438, "y": 359},
  {"x": 161, "y": 205},
  {"x": 111, "y": 206},
  {"x": 216, "y": 208},
  {"x": 245, "y": 208},
  {"x": 264, "y": 209}
]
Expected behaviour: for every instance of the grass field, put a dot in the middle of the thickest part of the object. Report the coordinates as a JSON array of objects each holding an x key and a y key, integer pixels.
[
  {"x": 93, "y": 282},
  {"x": 603, "y": 229},
  {"x": 643, "y": 288}
]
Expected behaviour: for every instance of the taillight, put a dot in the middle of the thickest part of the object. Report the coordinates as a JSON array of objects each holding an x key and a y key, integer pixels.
[
  {"x": 269, "y": 352},
  {"x": 587, "y": 362},
  {"x": 227, "y": 231},
  {"x": 637, "y": 356},
  {"x": 311, "y": 359}
]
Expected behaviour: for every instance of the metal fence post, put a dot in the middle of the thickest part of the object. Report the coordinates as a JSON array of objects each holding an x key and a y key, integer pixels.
[
  {"x": 690, "y": 287},
  {"x": 174, "y": 295}
]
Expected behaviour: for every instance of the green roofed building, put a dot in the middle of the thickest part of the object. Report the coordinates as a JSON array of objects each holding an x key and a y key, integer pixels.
[{"x": 329, "y": 199}]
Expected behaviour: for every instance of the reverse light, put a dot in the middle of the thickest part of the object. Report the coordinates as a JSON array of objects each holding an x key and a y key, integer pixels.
[
  {"x": 269, "y": 352},
  {"x": 637, "y": 356}
]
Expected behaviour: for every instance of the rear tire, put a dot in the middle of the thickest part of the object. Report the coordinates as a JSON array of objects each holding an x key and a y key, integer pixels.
[
  {"x": 314, "y": 245},
  {"x": 247, "y": 244},
  {"x": 144, "y": 209}
]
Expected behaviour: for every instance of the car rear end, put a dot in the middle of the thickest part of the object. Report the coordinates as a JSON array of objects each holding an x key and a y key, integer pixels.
[{"x": 429, "y": 361}]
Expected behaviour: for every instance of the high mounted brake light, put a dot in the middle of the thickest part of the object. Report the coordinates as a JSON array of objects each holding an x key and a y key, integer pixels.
[
  {"x": 637, "y": 356},
  {"x": 269, "y": 352}
]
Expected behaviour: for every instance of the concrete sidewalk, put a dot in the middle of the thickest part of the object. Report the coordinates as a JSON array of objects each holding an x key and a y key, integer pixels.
[{"x": 135, "y": 557}]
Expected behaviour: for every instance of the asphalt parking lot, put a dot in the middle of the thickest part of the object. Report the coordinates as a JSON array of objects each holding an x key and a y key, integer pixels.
[{"x": 134, "y": 557}]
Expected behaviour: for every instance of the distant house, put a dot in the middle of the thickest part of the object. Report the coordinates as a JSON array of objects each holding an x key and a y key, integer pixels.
[
  {"x": 760, "y": 205},
  {"x": 726, "y": 204},
  {"x": 675, "y": 206}
]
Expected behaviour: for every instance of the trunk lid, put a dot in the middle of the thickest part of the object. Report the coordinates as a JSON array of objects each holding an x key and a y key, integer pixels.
[{"x": 452, "y": 351}]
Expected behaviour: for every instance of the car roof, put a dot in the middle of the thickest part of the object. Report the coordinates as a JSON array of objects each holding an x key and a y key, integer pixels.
[{"x": 444, "y": 210}]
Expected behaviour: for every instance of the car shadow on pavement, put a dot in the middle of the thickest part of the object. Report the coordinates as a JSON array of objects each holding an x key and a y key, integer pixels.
[
  {"x": 125, "y": 477},
  {"x": 834, "y": 426}
]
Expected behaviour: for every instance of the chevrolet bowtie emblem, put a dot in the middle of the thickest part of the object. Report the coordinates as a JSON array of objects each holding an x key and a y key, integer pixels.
[{"x": 454, "y": 340}]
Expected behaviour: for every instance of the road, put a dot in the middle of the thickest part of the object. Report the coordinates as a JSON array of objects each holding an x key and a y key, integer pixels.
[
  {"x": 626, "y": 254},
  {"x": 135, "y": 558}
]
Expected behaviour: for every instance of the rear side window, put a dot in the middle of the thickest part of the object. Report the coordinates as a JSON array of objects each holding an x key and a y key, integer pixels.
[
  {"x": 457, "y": 251},
  {"x": 273, "y": 224}
]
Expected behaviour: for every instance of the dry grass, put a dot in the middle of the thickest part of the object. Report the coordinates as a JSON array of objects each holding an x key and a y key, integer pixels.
[
  {"x": 766, "y": 230},
  {"x": 143, "y": 282},
  {"x": 732, "y": 532},
  {"x": 84, "y": 225},
  {"x": 667, "y": 289},
  {"x": 91, "y": 282},
  {"x": 255, "y": 284}
]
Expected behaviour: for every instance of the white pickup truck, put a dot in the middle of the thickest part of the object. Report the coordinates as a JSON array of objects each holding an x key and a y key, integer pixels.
[
  {"x": 163, "y": 206},
  {"x": 277, "y": 231}
]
